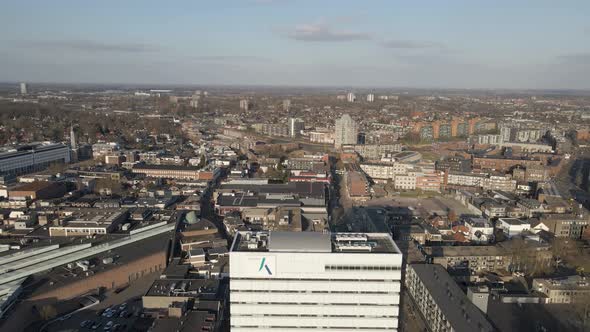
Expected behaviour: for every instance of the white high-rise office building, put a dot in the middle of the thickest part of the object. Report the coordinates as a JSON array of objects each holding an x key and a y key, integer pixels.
[
  {"x": 370, "y": 97},
  {"x": 286, "y": 104},
  {"x": 23, "y": 88},
  {"x": 506, "y": 133},
  {"x": 350, "y": 97},
  {"x": 195, "y": 98},
  {"x": 244, "y": 104},
  {"x": 345, "y": 131},
  {"x": 296, "y": 125},
  {"x": 73, "y": 143},
  {"x": 306, "y": 281}
]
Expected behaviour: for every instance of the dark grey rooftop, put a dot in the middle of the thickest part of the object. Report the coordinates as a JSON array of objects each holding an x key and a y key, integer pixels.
[
  {"x": 514, "y": 221},
  {"x": 303, "y": 189},
  {"x": 166, "y": 167},
  {"x": 458, "y": 310},
  {"x": 202, "y": 288}
]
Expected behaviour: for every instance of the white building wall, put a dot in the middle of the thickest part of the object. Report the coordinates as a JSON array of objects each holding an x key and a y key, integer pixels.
[{"x": 306, "y": 291}]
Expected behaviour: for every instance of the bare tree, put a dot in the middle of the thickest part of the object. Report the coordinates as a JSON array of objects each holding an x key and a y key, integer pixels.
[
  {"x": 108, "y": 185},
  {"x": 452, "y": 216},
  {"x": 48, "y": 312},
  {"x": 580, "y": 306},
  {"x": 564, "y": 248}
]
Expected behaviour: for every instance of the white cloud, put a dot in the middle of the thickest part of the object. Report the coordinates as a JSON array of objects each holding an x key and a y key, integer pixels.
[
  {"x": 322, "y": 32},
  {"x": 90, "y": 46}
]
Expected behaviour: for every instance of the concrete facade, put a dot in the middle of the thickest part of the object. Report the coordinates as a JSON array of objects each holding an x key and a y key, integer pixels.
[{"x": 314, "y": 282}]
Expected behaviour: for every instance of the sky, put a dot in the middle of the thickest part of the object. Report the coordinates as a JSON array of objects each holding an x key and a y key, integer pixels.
[{"x": 363, "y": 43}]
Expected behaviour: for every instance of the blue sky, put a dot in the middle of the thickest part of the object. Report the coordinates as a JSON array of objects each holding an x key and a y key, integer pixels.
[{"x": 457, "y": 44}]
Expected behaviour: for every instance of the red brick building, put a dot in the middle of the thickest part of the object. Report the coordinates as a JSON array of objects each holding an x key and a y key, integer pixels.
[{"x": 38, "y": 190}]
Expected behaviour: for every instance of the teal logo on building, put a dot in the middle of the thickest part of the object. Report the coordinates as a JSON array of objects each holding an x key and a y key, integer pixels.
[{"x": 263, "y": 265}]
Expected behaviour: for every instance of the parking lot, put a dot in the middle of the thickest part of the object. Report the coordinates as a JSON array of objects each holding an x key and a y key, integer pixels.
[
  {"x": 122, "y": 309},
  {"x": 119, "y": 317}
]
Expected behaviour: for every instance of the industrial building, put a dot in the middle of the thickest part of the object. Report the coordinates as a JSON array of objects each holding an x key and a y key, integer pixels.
[{"x": 34, "y": 157}]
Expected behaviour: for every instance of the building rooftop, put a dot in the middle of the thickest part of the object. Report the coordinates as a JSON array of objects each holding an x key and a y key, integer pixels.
[
  {"x": 299, "y": 242},
  {"x": 63, "y": 275},
  {"x": 268, "y": 241},
  {"x": 459, "y": 312},
  {"x": 303, "y": 189},
  {"x": 167, "y": 167},
  {"x": 562, "y": 216},
  {"x": 14, "y": 151},
  {"x": 566, "y": 283},
  {"x": 478, "y": 222},
  {"x": 514, "y": 221},
  {"x": 34, "y": 186},
  {"x": 34, "y": 262},
  {"x": 206, "y": 288},
  {"x": 464, "y": 251},
  {"x": 95, "y": 216},
  {"x": 192, "y": 321}
]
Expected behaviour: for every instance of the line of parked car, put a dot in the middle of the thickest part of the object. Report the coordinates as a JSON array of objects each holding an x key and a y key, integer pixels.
[
  {"x": 110, "y": 312},
  {"x": 109, "y": 326}
]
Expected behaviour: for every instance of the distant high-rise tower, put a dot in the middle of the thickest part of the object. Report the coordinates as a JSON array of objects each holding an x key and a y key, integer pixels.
[
  {"x": 23, "y": 88},
  {"x": 370, "y": 97},
  {"x": 350, "y": 97},
  {"x": 295, "y": 127},
  {"x": 506, "y": 133},
  {"x": 73, "y": 143},
  {"x": 194, "y": 103},
  {"x": 345, "y": 131},
  {"x": 286, "y": 104},
  {"x": 244, "y": 104}
]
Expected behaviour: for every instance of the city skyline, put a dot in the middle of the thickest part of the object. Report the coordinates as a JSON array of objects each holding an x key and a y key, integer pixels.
[
  {"x": 527, "y": 45},
  {"x": 294, "y": 165},
  {"x": 169, "y": 208}
]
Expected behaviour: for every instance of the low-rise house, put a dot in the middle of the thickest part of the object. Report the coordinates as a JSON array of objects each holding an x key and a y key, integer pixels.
[
  {"x": 480, "y": 230},
  {"x": 493, "y": 209},
  {"x": 513, "y": 227},
  {"x": 531, "y": 207}
]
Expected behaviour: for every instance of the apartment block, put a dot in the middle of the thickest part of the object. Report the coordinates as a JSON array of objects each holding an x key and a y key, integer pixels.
[{"x": 441, "y": 302}]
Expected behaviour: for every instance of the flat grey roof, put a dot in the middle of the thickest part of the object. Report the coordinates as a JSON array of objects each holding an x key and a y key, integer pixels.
[
  {"x": 314, "y": 242},
  {"x": 299, "y": 242},
  {"x": 514, "y": 221}
]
